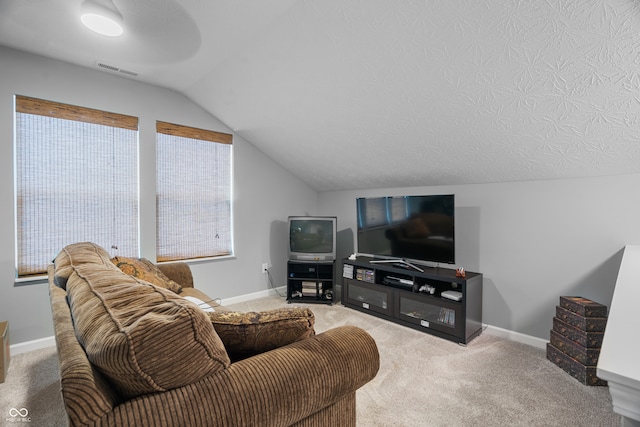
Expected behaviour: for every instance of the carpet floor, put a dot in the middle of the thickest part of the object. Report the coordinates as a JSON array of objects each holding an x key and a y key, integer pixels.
[{"x": 423, "y": 381}]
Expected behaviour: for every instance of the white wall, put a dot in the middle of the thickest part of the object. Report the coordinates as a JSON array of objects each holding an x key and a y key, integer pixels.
[
  {"x": 533, "y": 241},
  {"x": 264, "y": 193}
]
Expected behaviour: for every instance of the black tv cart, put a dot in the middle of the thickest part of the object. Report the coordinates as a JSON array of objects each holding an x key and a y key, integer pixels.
[
  {"x": 414, "y": 299},
  {"x": 310, "y": 281}
]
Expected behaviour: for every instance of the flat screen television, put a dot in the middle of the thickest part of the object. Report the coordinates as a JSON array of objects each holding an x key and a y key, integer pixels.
[
  {"x": 312, "y": 238},
  {"x": 413, "y": 228}
]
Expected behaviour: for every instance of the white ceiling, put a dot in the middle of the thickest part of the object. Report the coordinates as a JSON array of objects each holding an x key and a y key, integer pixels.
[{"x": 353, "y": 94}]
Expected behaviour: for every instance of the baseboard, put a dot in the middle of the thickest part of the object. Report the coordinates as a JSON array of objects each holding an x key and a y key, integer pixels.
[
  {"x": 516, "y": 336},
  {"x": 255, "y": 295},
  {"x": 488, "y": 329},
  {"x": 24, "y": 347},
  {"x": 491, "y": 330}
]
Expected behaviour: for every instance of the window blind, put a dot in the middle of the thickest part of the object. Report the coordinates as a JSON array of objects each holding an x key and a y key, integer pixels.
[
  {"x": 76, "y": 180},
  {"x": 193, "y": 200}
]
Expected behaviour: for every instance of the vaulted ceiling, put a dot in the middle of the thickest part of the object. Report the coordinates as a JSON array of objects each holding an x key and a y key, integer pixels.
[{"x": 352, "y": 94}]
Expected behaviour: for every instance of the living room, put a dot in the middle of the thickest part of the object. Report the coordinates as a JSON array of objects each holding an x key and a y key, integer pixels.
[{"x": 560, "y": 233}]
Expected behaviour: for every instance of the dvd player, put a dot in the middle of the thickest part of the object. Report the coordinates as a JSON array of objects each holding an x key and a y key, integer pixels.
[
  {"x": 398, "y": 282},
  {"x": 401, "y": 280}
]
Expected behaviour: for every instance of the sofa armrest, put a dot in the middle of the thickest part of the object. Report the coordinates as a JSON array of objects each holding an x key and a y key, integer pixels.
[
  {"x": 276, "y": 388},
  {"x": 87, "y": 395},
  {"x": 179, "y": 272}
]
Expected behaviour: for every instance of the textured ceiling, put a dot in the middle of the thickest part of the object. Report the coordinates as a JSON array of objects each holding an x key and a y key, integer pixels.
[{"x": 353, "y": 94}]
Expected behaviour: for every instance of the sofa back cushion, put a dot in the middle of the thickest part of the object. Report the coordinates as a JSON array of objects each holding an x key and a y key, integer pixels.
[
  {"x": 144, "y": 338},
  {"x": 78, "y": 254}
]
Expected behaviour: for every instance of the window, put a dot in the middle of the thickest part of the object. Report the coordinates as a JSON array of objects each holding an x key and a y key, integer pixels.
[
  {"x": 76, "y": 180},
  {"x": 193, "y": 200}
]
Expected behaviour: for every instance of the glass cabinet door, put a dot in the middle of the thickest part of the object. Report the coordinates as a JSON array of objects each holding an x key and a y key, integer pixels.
[
  {"x": 440, "y": 315},
  {"x": 368, "y": 296}
]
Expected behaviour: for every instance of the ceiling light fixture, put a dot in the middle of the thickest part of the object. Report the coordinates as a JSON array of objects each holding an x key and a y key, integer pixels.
[{"x": 102, "y": 16}]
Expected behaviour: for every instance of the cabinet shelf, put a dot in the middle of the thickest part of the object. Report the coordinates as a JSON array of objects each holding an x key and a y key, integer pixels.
[
  {"x": 414, "y": 299},
  {"x": 310, "y": 282}
]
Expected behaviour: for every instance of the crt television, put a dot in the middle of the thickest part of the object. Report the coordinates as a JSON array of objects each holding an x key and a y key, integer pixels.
[
  {"x": 415, "y": 228},
  {"x": 312, "y": 238}
]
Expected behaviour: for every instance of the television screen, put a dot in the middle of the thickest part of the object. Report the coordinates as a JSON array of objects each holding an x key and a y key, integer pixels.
[
  {"x": 312, "y": 238},
  {"x": 409, "y": 227}
]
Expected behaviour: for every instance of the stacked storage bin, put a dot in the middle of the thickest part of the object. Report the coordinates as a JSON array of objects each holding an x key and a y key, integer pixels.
[{"x": 576, "y": 338}]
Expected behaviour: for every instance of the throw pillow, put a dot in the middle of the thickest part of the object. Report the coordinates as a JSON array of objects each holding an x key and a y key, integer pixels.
[
  {"x": 144, "y": 269},
  {"x": 248, "y": 333},
  {"x": 144, "y": 338}
]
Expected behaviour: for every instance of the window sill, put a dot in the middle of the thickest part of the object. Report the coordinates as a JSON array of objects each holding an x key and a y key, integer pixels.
[{"x": 31, "y": 280}]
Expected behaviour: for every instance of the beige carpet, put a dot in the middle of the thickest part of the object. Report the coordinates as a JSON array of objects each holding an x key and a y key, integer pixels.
[{"x": 423, "y": 381}]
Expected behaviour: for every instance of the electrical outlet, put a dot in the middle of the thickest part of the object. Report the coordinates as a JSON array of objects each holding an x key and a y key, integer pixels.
[{"x": 265, "y": 267}]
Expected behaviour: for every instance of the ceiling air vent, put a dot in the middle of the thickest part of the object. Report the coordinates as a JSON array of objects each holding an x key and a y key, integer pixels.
[{"x": 113, "y": 69}]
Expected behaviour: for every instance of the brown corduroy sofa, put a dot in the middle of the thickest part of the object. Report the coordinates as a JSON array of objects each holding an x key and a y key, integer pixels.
[{"x": 136, "y": 354}]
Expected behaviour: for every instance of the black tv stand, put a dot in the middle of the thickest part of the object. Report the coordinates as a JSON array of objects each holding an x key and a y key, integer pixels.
[
  {"x": 432, "y": 300},
  {"x": 397, "y": 262},
  {"x": 310, "y": 281}
]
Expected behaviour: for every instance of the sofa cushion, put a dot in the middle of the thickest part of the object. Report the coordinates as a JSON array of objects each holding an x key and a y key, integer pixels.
[
  {"x": 144, "y": 338},
  {"x": 248, "y": 333},
  {"x": 145, "y": 270},
  {"x": 78, "y": 254}
]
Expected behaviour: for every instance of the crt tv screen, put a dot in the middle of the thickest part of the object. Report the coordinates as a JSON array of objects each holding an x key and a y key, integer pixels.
[
  {"x": 408, "y": 227},
  {"x": 312, "y": 238}
]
